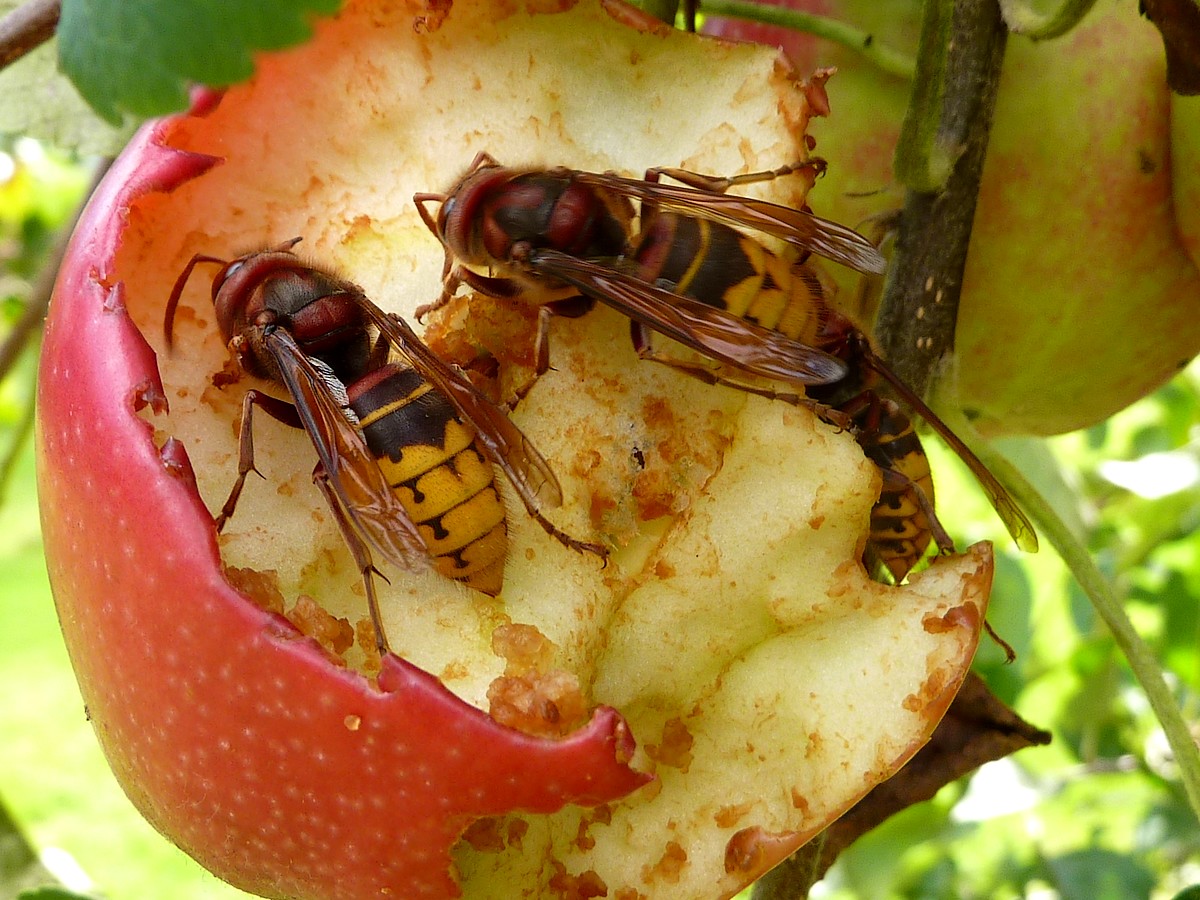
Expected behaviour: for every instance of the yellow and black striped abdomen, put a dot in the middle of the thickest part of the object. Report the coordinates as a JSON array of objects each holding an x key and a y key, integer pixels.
[
  {"x": 901, "y": 531},
  {"x": 720, "y": 266},
  {"x": 433, "y": 462}
]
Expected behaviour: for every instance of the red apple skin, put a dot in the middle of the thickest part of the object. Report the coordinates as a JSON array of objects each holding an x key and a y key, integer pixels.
[
  {"x": 1077, "y": 292},
  {"x": 235, "y": 736}
]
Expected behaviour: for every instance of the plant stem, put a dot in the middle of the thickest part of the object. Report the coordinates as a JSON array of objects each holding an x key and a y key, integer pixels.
[
  {"x": 940, "y": 160},
  {"x": 27, "y": 27},
  {"x": 886, "y": 58}
]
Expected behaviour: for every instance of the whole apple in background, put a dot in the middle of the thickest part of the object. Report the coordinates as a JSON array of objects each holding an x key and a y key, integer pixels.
[
  {"x": 1185, "y": 174},
  {"x": 767, "y": 682},
  {"x": 1078, "y": 296}
]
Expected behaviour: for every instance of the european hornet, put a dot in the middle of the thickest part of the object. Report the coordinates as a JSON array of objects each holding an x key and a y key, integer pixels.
[
  {"x": 903, "y": 521},
  {"x": 554, "y": 233},
  {"x": 407, "y": 448},
  {"x": 689, "y": 270}
]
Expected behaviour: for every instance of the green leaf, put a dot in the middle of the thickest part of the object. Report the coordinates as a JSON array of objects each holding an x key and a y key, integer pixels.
[
  {"x": 37, "y": 101},
  {"x": 140, "y": 56},
  {"x": 1100, "y": 875},
  {"x": 53, "y": 893}
]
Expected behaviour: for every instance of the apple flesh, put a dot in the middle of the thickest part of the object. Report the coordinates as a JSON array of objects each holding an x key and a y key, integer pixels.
[
  {"x": 1075, "y": 296},
  {"x": 738, "y": 680}
]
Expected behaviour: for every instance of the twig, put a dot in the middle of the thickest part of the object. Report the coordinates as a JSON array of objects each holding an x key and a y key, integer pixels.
[
  {"x": 940, "y": 160},
  {"x": 26, "y": 28}
]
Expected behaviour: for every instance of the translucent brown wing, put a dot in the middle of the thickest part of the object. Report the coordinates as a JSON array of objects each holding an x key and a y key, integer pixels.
[
  {"x": 794, "y": 226},
  {"x": 364, "y": 493},
  {"x": 706, "y": 329},
  {"x": 505, "y": 444},
  {"x": 1017, "y": 523}
]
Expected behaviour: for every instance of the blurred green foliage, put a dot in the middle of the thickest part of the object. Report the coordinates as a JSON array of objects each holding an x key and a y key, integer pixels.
[
  {"x": 38, "y": 191},
  {"x": 1097, "y": 814}
]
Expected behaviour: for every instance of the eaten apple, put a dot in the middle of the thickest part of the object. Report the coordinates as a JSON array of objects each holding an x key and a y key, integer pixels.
[
  {"x": 1076, "y": 295},
  {"x": 731, "y": 680}
]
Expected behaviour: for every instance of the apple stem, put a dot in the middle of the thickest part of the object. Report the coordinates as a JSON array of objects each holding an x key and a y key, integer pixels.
[
  {"x": 888, "y": 59},
  {"x": 1146, "y": 668}
]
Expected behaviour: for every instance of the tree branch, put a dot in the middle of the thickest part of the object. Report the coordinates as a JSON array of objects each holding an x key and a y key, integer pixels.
[
  {"x": 26, "y": 28},
  {"x": 940, "y": 159}
]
